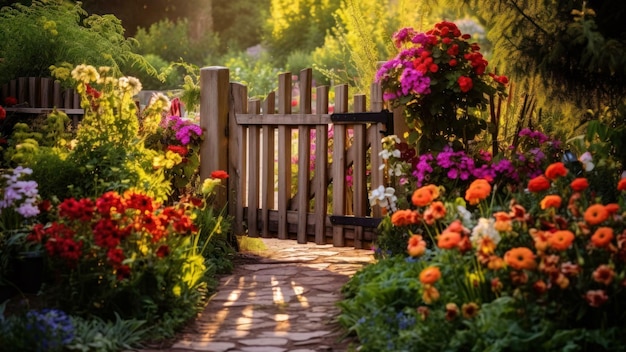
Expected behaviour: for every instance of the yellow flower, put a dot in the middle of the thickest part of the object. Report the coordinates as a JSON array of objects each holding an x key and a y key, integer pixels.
[{"x": 209, "y": 184}]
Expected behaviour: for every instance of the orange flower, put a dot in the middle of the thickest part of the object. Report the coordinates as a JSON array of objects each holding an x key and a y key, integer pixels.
[
  {"x": 561, "y": 240},
  {"x": 551, "y": 201},
  {"x": 540, "y": 287},
  {"x": 604, "y": 274},
  {"x": 503, "y": 221},
  {"x": 437, "y": 210},
  {"x": 520, "y": 258},
  {"x": 448, "y": 239},
  {"x": 477, "y": 191},
  {"x": 580, "y": 184},
  {"x": 430, "y": 295},
  {"x": 424, "y": 195},
  {"x": 621, "y": 185},
  {"x": 612, "y": 208},
  {"x": 602, "y": 237},
  {"x": 404, "y": 217},
  {"x": 538, "y": 184},
  {"x": 470, "y": 310},
  {"x": 416, "y": 246},
  {"x": 556, "y": 170},
  {"x": 456, "y": 226},
  {"x": 495, "y": 263},
  {"x": 595, "y": 214},
  {"x": 430, "y": 275}
]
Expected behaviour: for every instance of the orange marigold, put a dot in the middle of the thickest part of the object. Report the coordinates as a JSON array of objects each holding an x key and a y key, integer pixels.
[
  {"x": 430, "y": 275},
  {"x": 595, "y": 214},
  {"x": 477, "y": 191},
  {"x": 550, "y": 201},
  {"x": 503, "y": 221},
  {"x": 538, "y": 184},
  {"x": 449, "y": 239},
  {"x": 520, "y": 258},
  {"x": 612, "y": 208},
  {"x": 579, "y": 184},
  {"x": 424, "y": 195},
  {"x": 416, "y": 246},
  {"x": 437, "y": 210},
  {"x": 404, "y": 217},
  {"x": 602, "y": 237},
  {"x": 621, "y": 185},
  {"x": 561, "y": 240},
  {"x": 556, "y": 170}
]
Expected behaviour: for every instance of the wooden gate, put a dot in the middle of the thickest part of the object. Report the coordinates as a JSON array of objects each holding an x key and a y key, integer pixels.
[{"x": 303, "y": 192}]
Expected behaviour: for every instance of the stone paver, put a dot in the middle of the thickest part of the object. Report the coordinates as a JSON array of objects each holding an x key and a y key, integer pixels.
[{"x": 282, "y": 299}]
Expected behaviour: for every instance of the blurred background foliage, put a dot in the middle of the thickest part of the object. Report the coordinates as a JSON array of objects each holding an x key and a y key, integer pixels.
[{"x": 565, "y": 59}]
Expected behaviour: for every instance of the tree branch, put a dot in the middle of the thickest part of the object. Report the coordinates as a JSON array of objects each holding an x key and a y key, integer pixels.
[{"x": 519, "y": 9}]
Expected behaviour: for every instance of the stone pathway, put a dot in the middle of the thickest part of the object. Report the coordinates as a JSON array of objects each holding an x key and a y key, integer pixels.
[{"x": 280, "y": 299}]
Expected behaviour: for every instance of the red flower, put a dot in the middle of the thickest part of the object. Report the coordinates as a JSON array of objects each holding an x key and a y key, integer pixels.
[
  {"x": 108, "y": 202},
  {"x": 123, "y": 272},
  {"x": 221, "y": 174},
  {"x": 538, "y": 184},
  {"x": 139, "y": 201},
  {"x": 596, "y": 298},
  {"x": 92, "y": 91},
  {"x": 163, "y": 251},
  {"x": 116, "y": 256},
  {"x": 556, "y": 170},
  {"x": 621, "y": 185},
  {"x": 3, "y": 113},
  {"x": 82, "y": 209},
  {"x": 178, "y": 149},
  {"x": 465, "y": 83},
  {"x": 10, "y": 101},
  {"x": 580, "y": 184}
]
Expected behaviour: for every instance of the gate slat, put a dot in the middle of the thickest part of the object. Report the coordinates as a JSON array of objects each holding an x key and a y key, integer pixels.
[
  {"x": 254, "y": 156},
  {"x": 304, "y": 153},
  {"x": 339, "y": 164},
  {"x": 284, "y": 154},
  {"x": 321, "y": 171},
  {"x": 359, "y": 185},
  {"x": 374, "y": 137},
  {"x": 237, "y": 156},
  {"x": 267, "y": 176}
]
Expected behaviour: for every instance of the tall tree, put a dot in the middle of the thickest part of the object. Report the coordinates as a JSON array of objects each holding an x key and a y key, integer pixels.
[{"x": 577, "y": 47}]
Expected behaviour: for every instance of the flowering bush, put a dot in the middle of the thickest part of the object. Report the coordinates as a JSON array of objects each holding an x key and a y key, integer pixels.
[
  {"x": 545, "y": 265},
  {"x": 440, "y": 78},
  {"x": 121, "y": 253}
]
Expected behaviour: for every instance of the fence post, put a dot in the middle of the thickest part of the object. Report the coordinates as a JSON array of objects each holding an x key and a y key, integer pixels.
[{"x": 214, "y": 108}]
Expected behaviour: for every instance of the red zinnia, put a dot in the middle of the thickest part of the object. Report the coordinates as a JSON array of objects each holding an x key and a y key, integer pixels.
[
  {"x": 10, "y": 101},
  {"x": 580, "y": 184},
  {"x": 538, "y": 184},
  {"x": 556, "y": 170},
  {"x": 220, "y": 174}
]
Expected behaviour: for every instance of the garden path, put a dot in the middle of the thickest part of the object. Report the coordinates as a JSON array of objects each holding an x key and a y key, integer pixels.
[{"x": 276, "y": 300}]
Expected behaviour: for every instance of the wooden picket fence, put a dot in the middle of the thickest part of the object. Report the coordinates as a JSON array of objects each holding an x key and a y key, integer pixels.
[
  {"x": 39, "y": 95},
  {"x": 252, "y": 140}
]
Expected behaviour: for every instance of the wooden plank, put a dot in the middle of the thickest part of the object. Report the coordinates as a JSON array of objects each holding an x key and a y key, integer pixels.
[
  {"x": 33, "y": 90},
  {"x": 254, "y": 165},
  {"x": 214, "y": 114},
  {"x": 44, "y": 111},
  {"x": 237, "y": 143},
  {"x": 22, "y": 90},
  {"x": 338, "y": 168},
  {"x": 57, "y": 100},
  {"x": 267, "y": 174},
  {"x": 374, "y": 137},
  {"x": 284, "y": 119},
  {"x": 284, "y": 154},
  {"x": 304, "y": 154},
  {"x": 45, "y": 91},
  {"x": 320, "y": 184},
  {"x": 359, "y": 180}
]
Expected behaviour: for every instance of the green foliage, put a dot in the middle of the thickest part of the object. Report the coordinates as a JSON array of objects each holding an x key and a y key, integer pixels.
[
  {"x": 259, "y": 75},
  {"x": 51, "y": 32},
  {"x": 172, "y": 41},
  {"x": 96, "y": 334},
  {"x": 242, "y": 33},
  {"x": 168, "y": 78},
  {"x": 297, "y": 25}
]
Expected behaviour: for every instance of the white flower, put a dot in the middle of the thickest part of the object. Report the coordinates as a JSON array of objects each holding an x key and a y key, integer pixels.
[
  {"x": 586, "y": 159},
  {"x": 385, "y": 197},
  {"x": 485, "y": 228},
  {"x": 466, "y": 216}
]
